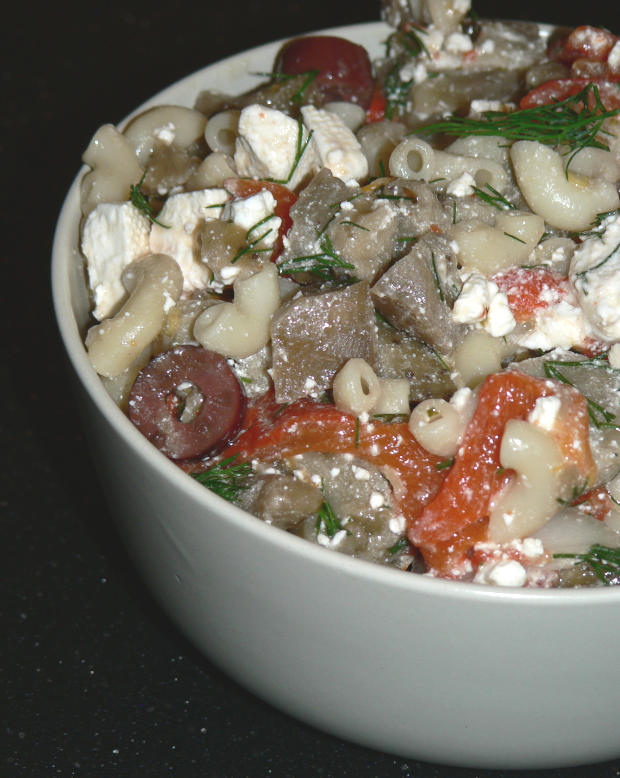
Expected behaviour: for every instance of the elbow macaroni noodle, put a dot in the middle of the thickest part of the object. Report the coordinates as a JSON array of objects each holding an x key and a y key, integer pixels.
[{"x": 154, "y": 285}]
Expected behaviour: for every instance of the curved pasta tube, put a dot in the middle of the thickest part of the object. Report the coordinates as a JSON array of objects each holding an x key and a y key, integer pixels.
[
  {"x": 447, "y": 14},
  {"x": 114, "y": 169},
  {"x": 596, "y": 163},
  {"x": 564, "y": 200},
  {"x": 393, "y": 396},
  {"x": 478, "y": 355},
  {"x": 378, "y": 141},
  {"x": 352, "y": 114},
  {"x": 154, "y": 285},
  {"x": 417, "y": 159},
  {"x": 438, "y": 426},
  {"x": 221, "y": 131},
  {"x": 171, "y": 124},
  {"x": 241, "y": 328},
  {"x": 356, "y": 387},
  {"x": 532, "y": 498},
  {"x": 491, "y": 249}
]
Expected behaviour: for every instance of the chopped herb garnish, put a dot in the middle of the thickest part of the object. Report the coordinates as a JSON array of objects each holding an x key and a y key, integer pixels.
[
  {"x": 436, "y": 277},
  {"x": 598, "y": 415},
  {"x": 140, "y": 201},
  {"x": 310, "y": 75},
  {"x": 251, "y": 247},
  {"x": 354, "y": 224},
  {"x": 357, "y": 431},
  {"x": 402, "y": 544},
  {"x": 494, "y": 198},
  {"x": 571, "y": 123},
  {"x": 225, "y": 479},
  {"x": 578, "y": 491},
  {"x": 603, "y": 561},
  {"x": 445, "y": 465},
  {"x": 302, "y": 145},
  {"x": 603, "y": 261},
  {"x": 514, "y": 237},
  {"x": 323, "y": 264},
  {"x": 281, "y": 408},
  {"x": 327, "y": 521}
]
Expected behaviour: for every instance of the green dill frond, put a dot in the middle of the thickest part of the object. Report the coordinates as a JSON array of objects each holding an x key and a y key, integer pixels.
[
  {"x": 569, "y": 123},
  {"x": 225, "y": 479},
  {"x": 140, "y": 201}
]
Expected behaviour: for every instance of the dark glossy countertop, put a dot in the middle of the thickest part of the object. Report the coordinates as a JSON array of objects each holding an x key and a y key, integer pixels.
[{"x": 96, "y": 681}]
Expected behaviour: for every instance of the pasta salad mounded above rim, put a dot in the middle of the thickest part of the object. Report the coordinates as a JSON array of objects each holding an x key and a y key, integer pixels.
[{"x": 377, "y": 304}]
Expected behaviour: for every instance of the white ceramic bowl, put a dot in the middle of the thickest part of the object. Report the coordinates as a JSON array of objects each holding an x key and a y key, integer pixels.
[{"x": 440, "y": 671}]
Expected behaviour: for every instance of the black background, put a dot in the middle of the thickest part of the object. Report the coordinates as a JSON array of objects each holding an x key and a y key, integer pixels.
[{"x": 96, "y": 681}]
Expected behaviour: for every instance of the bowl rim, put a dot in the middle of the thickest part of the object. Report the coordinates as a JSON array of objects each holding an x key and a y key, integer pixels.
[{"x": 65, "y": 251}]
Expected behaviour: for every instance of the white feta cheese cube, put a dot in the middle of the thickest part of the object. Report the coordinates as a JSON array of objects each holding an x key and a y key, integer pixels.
[
  {"x": 114, "y": 235},
  {"x": 595, "y": 275},
  {"x": 256, "y": 215},
  {"x": 337, "y": 147},
  {"x": 269, "y": 145},
  {"x": 182, "y": 214},
  {"x": 462, "y": 186}
]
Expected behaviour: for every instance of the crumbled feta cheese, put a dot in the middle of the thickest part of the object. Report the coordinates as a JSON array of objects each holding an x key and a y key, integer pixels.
[
  {"x": 114, "y": 235},
  {"x": 458, "y": 42},
  {"x": 613, "y": 59},
  {"x": 268, "y": 146},
  {"x": 397, "y": 524},
  {"x": 500, "y": 320},
  {"x": 506, "y": 572},
  {"x": 166, "y": 133},
  {"x": 377, "y": 500},
  {"x": 256, "y": 215},
  {"x": 337, "y": 147},
  {"x": 481, "y": 106},
  {"x": 182, "y": 214},
  {"x": 324, "y": 540},
  {"x": 595, "y": 275},
  {"x": 462, "y": 186},
  {"x": 480, "y": 301},
  {"x": 559, "y": 326},
  {"x": 545, "y": 412},
  {"x": 614, "y": 356}
]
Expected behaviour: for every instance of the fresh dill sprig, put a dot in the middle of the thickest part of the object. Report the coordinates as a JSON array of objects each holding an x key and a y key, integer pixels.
[
  {"x": 225, "y": 479},
  {"x": 598, "y": 415},
  {"x": 402, "y": 544},
  {"x": 578, "y": 491},
  {"x": 355, "y": 224},
  {"x": 446, "y": 464},
  {"x": 297, "y": 97},
  {"x": 251, "y": 247},
  {"x": 302, "y": 145},
  {"x": 140, "y": 201},
  {"x": 493, "y": 197},
  {"x": 571, "y": 122},
  {"x": 326, "y": 520},
  {"x": 436, "y": 277},
  {"x": 323, "y": 264},
  {"x": 603, "y": 561},
  {"x": 603, "y": 261},
  {"x": 396, "y": 92}
]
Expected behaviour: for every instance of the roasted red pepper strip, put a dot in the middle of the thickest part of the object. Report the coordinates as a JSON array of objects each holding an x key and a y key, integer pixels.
[
  {"x": 457, "y": 518},
  {"x": 376, "y": 110},
  {"x": 274, "y": 431},
  {"x": 560, "y": 88},
  {"x": 284, "y": 197},
  {"x": 585, "y": 42},
  {"x": 530, "y": 290}
]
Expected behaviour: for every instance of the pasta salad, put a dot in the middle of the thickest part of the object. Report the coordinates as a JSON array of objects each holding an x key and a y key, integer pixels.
[{"x": 377, "y": 303}]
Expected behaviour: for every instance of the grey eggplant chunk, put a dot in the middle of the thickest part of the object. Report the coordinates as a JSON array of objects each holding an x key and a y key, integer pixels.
[
  {"x": 314, "y": 207},
  {"x": 314, "y": 335},
  {"x": 415, "y": 294},
  {"x": 401, "y": 356}
]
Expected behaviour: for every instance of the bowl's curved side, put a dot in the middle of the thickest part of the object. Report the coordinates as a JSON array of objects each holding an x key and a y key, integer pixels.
[{"x": 445, "y": 672}]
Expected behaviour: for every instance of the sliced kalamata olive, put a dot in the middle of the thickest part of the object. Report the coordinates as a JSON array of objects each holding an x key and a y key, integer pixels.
[
  {"x": 345, "y": 72},
  {"x": 187, "y": 402}
]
